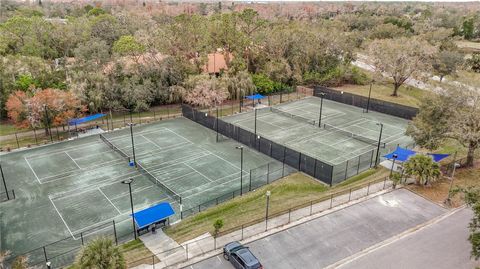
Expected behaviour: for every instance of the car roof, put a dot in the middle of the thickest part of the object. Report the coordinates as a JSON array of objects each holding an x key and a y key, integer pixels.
[{"x": 247, "y": 256}]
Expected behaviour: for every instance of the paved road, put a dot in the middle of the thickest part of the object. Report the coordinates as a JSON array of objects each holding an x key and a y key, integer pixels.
[
  {"x": 440, "y": 245},
  {"x": 333, "y": 237}
]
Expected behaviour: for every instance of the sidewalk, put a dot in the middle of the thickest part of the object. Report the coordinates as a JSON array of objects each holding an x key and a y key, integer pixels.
[{"x": 208, "y": 246}]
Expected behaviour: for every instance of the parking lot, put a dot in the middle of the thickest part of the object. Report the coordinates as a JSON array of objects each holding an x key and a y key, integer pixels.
[{"x": 331, "y": 238}]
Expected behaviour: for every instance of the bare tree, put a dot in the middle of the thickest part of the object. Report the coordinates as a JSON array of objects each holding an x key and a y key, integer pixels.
[{"x": 401, "y": 59}]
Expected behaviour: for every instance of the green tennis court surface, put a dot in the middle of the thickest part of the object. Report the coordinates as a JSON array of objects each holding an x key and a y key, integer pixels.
[
  {"x": 347, "y": 138},
  {"x": 66, "y": 189}
]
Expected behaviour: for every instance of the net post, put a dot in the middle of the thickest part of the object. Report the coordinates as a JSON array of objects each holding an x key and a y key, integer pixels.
[{"x": 115, "y": 232}]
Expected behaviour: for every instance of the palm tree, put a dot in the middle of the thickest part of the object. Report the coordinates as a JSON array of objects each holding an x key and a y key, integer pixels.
[
  {"x": 423, "y": 169},
  {"x": 101, "y": 253}
]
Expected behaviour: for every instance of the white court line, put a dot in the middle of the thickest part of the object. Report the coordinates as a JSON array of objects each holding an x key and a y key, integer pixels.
[
  {"x": 133, "y": 191},
  {"x": 175, "y": 178},
  {"x": 120, "y": 137},
  {"x": 71, "y": 173},
  {"x": 175, "y": 162},
  {"x": 78, "y": 191},
  {"x": 73, "y": 160},
  {"x": 155, "y": 144},
  {"x": 199, "y": 192},
  {"x": 68, "y": 148},
  {"x": 35, "y": 174},
  {"x": 98, "y": 188},
  {"x": 56, "y": 209},
  {"x": 198, "y": 172}
]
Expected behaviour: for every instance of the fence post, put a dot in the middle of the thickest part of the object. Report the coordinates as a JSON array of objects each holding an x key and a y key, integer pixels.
[
  {"x": 250, "y": 183},
  {"x": 283, "y": 163},
  {"x": 311, "y": 207},
  {"x": 35, "y": 134},
  {"x": 186, "y": 250},
  {"x": 371, "y": 159},
  {"x": 216, "y": 201},
  {"x": 331, "y": 200},
  {"x": 154, "y": 116},
  {"x": 168, "y": 112},
  {"x": 358, "y": 167},
  {"x": 215, "y": 242},
  {"x": 115, "y": 232},
  {"x": 13, "y": 193},
  {"x": 153, "y": 261},
  {"x": 81, "y": 236},
  {"x": 58, "y": 135},
  {"x": 350, "y": 194},
  {"x": 242, "y": 231},
  {"x": 139, "y": 118},
  {"x": 384, "y": 182},
  {"x": 268, "y": 173},
  {"x": 16, "y": 138},
  {"x": 368, "y": 188},
  {"x": 346, "y": 169},
  {"x": 289, "y": 211},
  {"x": 124, "y": 120}
]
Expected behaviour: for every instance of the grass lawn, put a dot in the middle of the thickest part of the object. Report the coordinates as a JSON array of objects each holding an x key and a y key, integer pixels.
[
  {"x": 134, "y": 251},
  {"x": 294, "y": 190},
  {"x": 7, "y": 128},
  {"x": 407, "y": 95}
]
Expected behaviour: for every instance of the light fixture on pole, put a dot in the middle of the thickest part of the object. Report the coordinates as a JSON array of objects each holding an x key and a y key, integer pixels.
[
  {"x": 48, "y": 264},
  {"x": 379, "y": 141},
  {"x": 322, "y": 94},
  {"x": 129, "y": 182},
  {"x": 241, "y": 168},
  {"x": 394, "y": 156}
]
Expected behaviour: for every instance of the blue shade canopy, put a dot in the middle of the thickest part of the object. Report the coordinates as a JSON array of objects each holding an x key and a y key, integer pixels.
[
  {"x": 438, "y": 157},
  {"x": 154, "y": 214},
  {"x": 255, "y": 97},
  {"x": 402, "y": 154},
  {"x": 85, "y": 119}
]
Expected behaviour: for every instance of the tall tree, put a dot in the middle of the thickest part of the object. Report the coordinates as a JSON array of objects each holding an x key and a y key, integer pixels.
[
  {"x": 446, "y": 63},
  {"x": 454, "y": 114},
  {"x": 205, "y": 92},
  {"x": 49, "y": 107},
  {"x": 401, "y": 59}
]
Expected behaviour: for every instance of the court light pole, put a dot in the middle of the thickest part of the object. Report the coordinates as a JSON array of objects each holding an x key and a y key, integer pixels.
[
  {"x": 241, "y": 168},
  {"x": 379, "y": 141},
  {"x": 129, "y": 182},
  {"x": 133, "y": 144},
  {"x": 4, "y": 183},
  {"x": 394, "y": 156},
  {"x": 266, "y": 210},
  {"x": 369, "y": 94},
  {"x": 322, "y": 94}
]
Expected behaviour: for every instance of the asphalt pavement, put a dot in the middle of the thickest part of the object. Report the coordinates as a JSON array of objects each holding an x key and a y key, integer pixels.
[{"x": 341, "y": 234}]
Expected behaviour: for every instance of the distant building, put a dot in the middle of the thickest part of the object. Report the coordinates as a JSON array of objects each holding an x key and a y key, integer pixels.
[{"x": 216, "y": 63}]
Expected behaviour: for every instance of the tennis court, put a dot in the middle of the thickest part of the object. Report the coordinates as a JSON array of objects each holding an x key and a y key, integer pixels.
[
  {"x": 67, "y": 189},
  {"x": 346, "y": 139}
]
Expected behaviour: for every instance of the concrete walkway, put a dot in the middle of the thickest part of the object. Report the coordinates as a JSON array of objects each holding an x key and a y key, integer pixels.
[{"x": 208, "y": 246}]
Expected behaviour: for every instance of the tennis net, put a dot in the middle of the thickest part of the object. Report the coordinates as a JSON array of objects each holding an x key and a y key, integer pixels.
[
  {"x": 354, "y": 136},
  {"x": 115, "y": 148},
  {"x": 155, "y": 181},
  {"x": 290, "y": 115}
]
